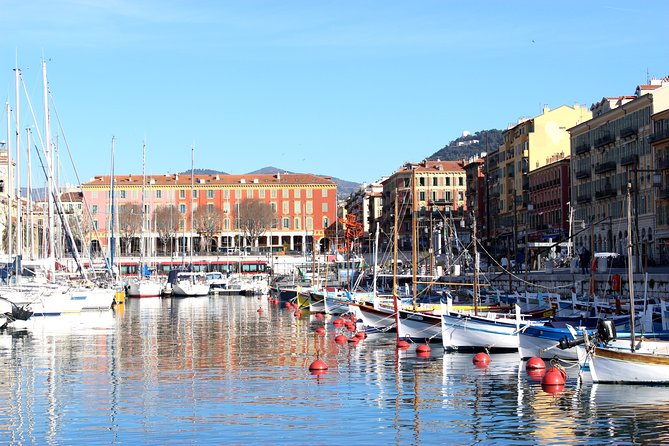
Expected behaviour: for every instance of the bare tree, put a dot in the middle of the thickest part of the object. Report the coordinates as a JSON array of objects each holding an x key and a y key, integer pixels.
[
  {"x": 166, "y": 221},
  {"x": 207, "y": 222},
  {"x": 255, "y": 218},
  {"x": 130, "y": 224}
]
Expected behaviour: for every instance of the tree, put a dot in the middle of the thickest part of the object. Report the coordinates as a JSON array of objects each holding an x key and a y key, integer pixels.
[
  {"x": 166, "y": 221},
  {"x": 207, "y": 222},
  {"x": 130, "y": 224},
  {"x": 255, "y": 219}
]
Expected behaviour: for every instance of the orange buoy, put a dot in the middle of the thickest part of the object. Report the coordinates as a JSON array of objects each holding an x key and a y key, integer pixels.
[
  {"x": 402, "y": 344},
  {"x": 320, "y": 331},
  {"x": 340, "y": 339},
  {"x": 423, "y": 348},
  {"x": 481, "y": 359},
  {"x": 536, "y": 374},
  {"x": 554, "y": 376},
  {"x": 318, "y": 364},
  {"x": 319, "y": 315},
  {"x": 361, "y": 335},
  {"x": 535, "y": 363},
  {"x": 422, "y": 354},
  {"x": 353, "y": 340},
  {"x": 259, "y": 310},
  {"x": 288, "y": 305},
  {"x": 338, "y": 322}
]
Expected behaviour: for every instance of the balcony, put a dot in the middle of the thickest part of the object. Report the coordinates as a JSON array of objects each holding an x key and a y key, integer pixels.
[
  {"x": 629, "y": 160},
  {"x": 663, "y": 163},
  {"x": 582, "y": 199},
  {"x": 658, "y": 136},
  {"x": 607, "y": 192},
  {"x": 664, "y": 193},
  {"x": 604, "y": 140},
  {"x": 582, "y": 174},
  {"x": 626, "y": 133},
  {"x": 605, "y": 167},
  {"x": 583, "y": 148}
]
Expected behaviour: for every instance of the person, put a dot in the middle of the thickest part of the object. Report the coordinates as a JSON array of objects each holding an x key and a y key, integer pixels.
[{"x": 584, "y": 260}]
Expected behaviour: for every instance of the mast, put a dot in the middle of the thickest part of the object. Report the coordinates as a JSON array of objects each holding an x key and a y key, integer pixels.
[
  {"x": 395, "y": 306},
  {"x": 192, "y": 203},
  {"x": 140, "y": 272},
  {"x": 29, "y": 198},
  {"x": 376, "y": 256},
  {"x": 17, "y": 183},
  {"x": 414, "y": 234},
  {"x": 50, "y": 186},
  {"x": 630, "y": 270},
  {"x": 9, "y": 181},
  {"x": 475, "y": 293},
  {"x": 112, "y": 240}
]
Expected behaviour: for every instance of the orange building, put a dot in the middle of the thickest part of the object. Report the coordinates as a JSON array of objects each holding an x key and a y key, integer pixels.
[{"x": 303, "y": 206}]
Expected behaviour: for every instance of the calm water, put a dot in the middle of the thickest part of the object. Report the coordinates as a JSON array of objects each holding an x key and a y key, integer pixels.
[{"x": 215, "y": 371}]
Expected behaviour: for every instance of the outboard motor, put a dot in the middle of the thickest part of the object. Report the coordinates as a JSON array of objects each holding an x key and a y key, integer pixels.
[{"x": 606, "y": 330}]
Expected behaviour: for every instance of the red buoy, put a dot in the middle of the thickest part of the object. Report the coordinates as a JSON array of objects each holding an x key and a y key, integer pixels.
[
  {"x": 320, "y": 331},
  {"x": 259, "y": 310},
  {"x": 340, "y": 339},
  {"x": 353, "y": 340},
  {"x": 298, "y": 313},
  {"x": 319, "y": 315},
  {"x": 481, "y": 359},
  {"x": 535, "y": 363},
  {"x": 338, "y": 322},
  {"x": 288, "y": 305},
  {"x": 402, "y": 344},
  {"x": 361, "y": 335},
  {"x": 423, "y": 348},
  {"x": 318, "y": 364},
  {"x": 536, "y": 374},
  {"x": 554, "y": 376}
]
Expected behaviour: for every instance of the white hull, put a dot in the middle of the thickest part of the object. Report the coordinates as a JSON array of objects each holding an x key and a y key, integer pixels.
[
  {"x": 614, "y": 366},
  {"x": 461, "y": 331},
  {"x": 381, "y": 320},
  {"x": 189, "y": 289},
  {"x": 144, "y": 288},
  {"x": 419, "y": 327},
  {"x": 57, "y": 300},
  {"x": 532, "y": 346}
]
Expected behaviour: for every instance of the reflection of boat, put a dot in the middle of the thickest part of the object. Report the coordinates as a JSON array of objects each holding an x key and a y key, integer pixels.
[{"x": 83, "y": 322}]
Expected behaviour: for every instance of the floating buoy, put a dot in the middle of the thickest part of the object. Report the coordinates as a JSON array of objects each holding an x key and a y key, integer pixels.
[
  {"x": 320, "y": 330},
  {"x": 318, "y": 364},
  {"x": 353, "y": 340},
  {"x": 402, "y": 344},
  {"x": 481, "y": 359},
  {"x": 554, "y": 376},
  {"x": 423, "y": 354},
  {"x": 535, "y": 363},
  {"x": 298, "y": 313},
  {"x": 351, "y": 328},
  {"x": 536, "y": 374},
  {"x": 423, "y": 348},
  {"x": 340, "y": 339},
  {"x": 319, "y": 315},
  {"x": 361, "y": 335},
  {"x": 338, "y": 322},
  {"x": 289, "y": 305},
  {"x": 259, "y": 310}
]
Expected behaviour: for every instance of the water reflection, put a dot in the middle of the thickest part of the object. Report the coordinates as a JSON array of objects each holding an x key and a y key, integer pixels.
[{"x": 216, "y": 370}]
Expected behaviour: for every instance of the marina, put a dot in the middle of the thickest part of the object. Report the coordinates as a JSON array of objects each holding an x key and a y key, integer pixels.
[{"x": 217, "y": 370}]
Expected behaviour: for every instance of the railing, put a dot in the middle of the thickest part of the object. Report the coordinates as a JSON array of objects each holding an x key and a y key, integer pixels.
[
  {"x": 604, "y": 140},
  {"x": 586, "y": 198},
  {"x": 629, "y": 131},
  {"x": 658, "y": 136},
  {"x": 583, "y": 173},
  {"x": 608, "y": 192},
  {"x": 663, "y": 163},
  {"x": 583, "y": 148},
  {"x": 629, "y": 159},
  {"x": 664, "y": 193},
  {"x": 605, "y": 167}
]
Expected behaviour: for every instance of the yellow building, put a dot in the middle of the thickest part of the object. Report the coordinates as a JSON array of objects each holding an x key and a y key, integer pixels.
[{"x": 529, "y": 145}]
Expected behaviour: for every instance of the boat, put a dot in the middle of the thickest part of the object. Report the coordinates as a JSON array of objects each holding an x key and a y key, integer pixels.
[
  {"x": 188, "y": 284},
  {"x": 645, "y": 363}
]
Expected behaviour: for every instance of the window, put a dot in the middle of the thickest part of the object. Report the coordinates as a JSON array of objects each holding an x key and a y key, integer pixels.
[
  {"x": 226, "y": 194},
  {"x": 421, "y": 196},
  {"x": 285, "y": 193},
  {"x": 121, "y": 193},
  {"x": 310, "y": 223},
  {"x": 238, "y": 193},
  {"x": 159, "y": 193},
  {"x": 226, "y": 207},
  {"x": 286, "y": 223},
  {"x": 406, "y": 182},
  {"x": 272, "y": 193},
  {"x": 195, "y": 194},
  {"x": 249, "y": 193},
  {"x": 326, "y": 222},
  {"x": 285, "y": 207},
  {"x": 261, "y": 193},
  {"x": 324, "y": 207},
  {"x": 435, "y": 181},
  {"x": 297, "y": 222},
  {"x": 94, "y": 194},
  {"x": 210, "y": 207},
  {"x": 226, "y": 224},
  {"x": 275, "y": 223},
  {"x": 309, "y": 207},
  {"x": 448, "y": 181},
  {"x": 95, "y": 225},
  {"x": 309, "y": 193},
  {"x": 296, "y": 206},
  {"x": 421, "y": 181},
  {"x": 461, "y": 181},
  {"x": 210, "y": 193},
  {"x": 182, "y": 208},
  {"x": 182, "y": 193},
  {"x": 324, "y": 193},
  {"x": 182, "y": 224},
  {"x": 94, "y": 209},
  {"x": 297, "y": 193}
]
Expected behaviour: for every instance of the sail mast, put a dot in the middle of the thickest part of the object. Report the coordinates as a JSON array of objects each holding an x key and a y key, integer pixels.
[
  {"x": 142, "y": 238},
  {"x": 192, "y": 201},
  {"x": 9, "y": 181},
  {"x": 630, "y": 272},
  {"x": 17, "y": 183},
  {"x": 50, "y": 187}
]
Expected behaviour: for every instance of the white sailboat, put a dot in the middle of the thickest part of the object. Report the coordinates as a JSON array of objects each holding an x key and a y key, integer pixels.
[
  {"x": 143, "y": 285},
  {"x": 186, "y": 283}
]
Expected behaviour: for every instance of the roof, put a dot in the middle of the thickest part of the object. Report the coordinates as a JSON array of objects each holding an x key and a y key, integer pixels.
[
  {"x": 71, "y": 197},
  {"x": 200, "y": 180},
  {"x": 434, "y": 166}
]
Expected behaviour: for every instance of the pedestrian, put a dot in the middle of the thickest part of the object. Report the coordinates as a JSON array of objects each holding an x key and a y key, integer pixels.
[{"x": 584, "y": 260}]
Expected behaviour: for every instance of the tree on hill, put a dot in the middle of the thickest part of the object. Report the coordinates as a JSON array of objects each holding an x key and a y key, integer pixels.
[{"x": 470, "y": 145}]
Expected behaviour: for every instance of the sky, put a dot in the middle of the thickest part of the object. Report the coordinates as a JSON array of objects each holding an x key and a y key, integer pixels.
[{"x": 349, "y": 89}]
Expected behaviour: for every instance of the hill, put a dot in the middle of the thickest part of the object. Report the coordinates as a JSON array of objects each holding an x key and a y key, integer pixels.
[
  {"x": 344, "y": 187},
  {"x": 469, "y": 145}
]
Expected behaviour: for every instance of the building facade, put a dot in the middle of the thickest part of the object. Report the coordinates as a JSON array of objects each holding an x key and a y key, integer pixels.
[{"x": 303, "y": 206}]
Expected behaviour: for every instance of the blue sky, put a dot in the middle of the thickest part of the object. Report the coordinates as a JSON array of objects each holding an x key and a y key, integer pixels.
[{"x": 350, "y": 89}]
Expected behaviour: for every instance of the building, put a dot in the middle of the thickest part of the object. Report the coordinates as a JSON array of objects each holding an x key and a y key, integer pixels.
[
  {"x": 302, "y": 205},
  {"x": 366, "y": 205},
  {"x": 528, "y": 145},
  {"x": 659, "y": 142},
  {"x": 433, "y": 191},
  {"x": 550, "y": 199},
  {"x": 610, "y": 153}
]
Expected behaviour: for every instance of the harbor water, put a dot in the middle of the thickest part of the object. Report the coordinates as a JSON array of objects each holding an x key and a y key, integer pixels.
[{"x": 216, "y": 370}]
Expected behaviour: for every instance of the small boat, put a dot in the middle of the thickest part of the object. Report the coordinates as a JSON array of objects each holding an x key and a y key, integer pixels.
[{"x": 188, "y": 284}]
